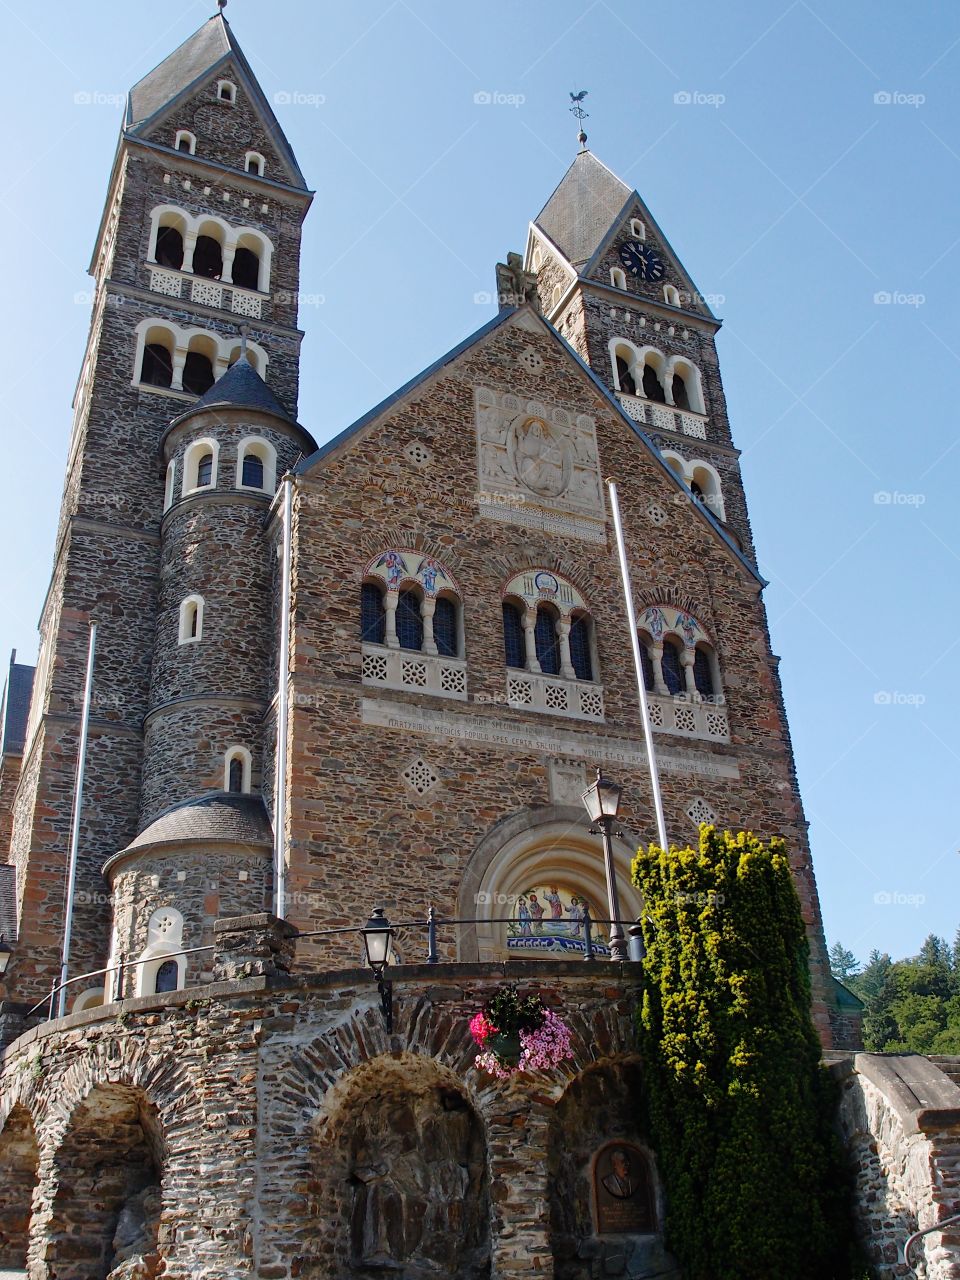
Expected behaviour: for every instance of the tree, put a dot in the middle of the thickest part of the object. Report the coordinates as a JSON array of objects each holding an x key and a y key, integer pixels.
[
  {"x": 737, "y": 1103},
  {"x": 843, "y": 963}
]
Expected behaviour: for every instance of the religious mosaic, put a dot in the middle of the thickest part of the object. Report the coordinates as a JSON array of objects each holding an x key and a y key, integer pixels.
[
  {"x": 399, "y": 567},
  {"x": 550, "y": 918}
]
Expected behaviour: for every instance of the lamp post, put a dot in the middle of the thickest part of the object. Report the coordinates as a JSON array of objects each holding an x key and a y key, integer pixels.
[
  {"x": 6, "y": 951},
  {"x": 378, "y": 942},
  {"x": 602, "y": 802}
]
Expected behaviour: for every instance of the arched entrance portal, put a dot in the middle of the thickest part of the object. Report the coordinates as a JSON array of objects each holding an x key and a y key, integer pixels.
[
  {"x": 539, "y": 871},
  {"x": 19, "y": 1157},
  {"x": 106, "y": 1209},
  {"x": 401, "y": 1174}
]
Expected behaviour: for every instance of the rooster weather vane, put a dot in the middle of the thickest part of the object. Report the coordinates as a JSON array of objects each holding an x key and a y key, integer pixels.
[{"x": 578, "y": 111}]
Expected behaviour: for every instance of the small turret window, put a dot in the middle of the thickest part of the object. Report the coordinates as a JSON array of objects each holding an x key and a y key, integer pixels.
[
  {"x": 167, "y": 977},
  {"x": 185, "y": 141},
  {"x": 191, "y": 619},
  {"x": 252, "y": 471},
  {"x": 237, "y": 771},
  {"x": 254, "y": 163},
  {"x": 204, "y": 470},
  {"x": 227, "y": 91}
]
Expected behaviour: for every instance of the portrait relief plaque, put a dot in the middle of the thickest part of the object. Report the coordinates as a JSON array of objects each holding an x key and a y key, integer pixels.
[{"x": 622, "y": 1190}]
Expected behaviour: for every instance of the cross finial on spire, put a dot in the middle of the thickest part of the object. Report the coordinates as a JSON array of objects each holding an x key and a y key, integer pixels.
[
  {"x": 221, "y": 5},
  {"x": 578, "y": 111}
]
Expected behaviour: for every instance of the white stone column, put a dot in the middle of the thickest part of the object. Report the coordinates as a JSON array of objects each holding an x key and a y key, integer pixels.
[
  {"x": 189, "y": 244},
  {"x": 390, "y": 601},
  {"x": 229, "y": 252},
  {"x": 428, "y": 607},
  {"x": 656, "y": 656},
  {"x": 566, "y": 661},
  {"x": 530, "y": 639},
  {"x": 687, "y": 659},
  {"x": 179, "y": 360}
]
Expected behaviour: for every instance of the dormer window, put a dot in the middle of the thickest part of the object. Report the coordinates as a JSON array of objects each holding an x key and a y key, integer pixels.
[
  {"x": 186, "y": 141},
  {"x": 254, "y": 163},
  {"x": 637, "y": 229},
  {"x": 227, "y": 91}
]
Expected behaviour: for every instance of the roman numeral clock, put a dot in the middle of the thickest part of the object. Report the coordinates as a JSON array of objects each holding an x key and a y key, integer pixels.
[{"x": 641, "y": 261}]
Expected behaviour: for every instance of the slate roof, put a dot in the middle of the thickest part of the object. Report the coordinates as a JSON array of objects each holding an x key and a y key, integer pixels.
[
  {"x": 15, "y": 707},
  {"x": 8, "y": 903},
  {"x": 218, "y": 816},
  {"x": 240, "y": 387},
  {"x": 579, "y": 213},
  {"x": 183, "y": 71},
  {"x": 178, "y": 70}
]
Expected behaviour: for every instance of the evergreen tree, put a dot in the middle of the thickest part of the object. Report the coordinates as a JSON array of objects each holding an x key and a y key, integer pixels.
[
  {"x": 738, "y": 1105},
  {"x": 843, "y": 963}
]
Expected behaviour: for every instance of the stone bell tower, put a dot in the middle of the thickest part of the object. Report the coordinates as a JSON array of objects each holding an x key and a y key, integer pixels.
[
  {"x": 196, "y": 260},
  {"x": 610, "y": 281}
]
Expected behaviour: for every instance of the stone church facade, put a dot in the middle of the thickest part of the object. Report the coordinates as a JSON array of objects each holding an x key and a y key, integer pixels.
[{"x": 225, "y": 1095}]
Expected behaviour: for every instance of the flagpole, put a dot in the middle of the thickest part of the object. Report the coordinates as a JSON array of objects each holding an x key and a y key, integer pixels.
[
  {"x": 638, "y": 666},
  {"x": 75, "y": 828},
  {"x": 283, "y": 705}
]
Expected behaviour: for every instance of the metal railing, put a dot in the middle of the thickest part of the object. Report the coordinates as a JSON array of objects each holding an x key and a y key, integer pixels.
[
  {"x": 433, "y": 924},
  {"x": 918, "y": 1236}
]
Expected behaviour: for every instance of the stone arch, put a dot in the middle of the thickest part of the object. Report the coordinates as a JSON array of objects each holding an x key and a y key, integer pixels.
[
  {"x": 107, "y": 1173},
  {"x": 19, "y": 1162},
  {"x": 551, "y": 844},
  {"x": 400, "y": 1168},
  {"x": 591, "y": 1230}
]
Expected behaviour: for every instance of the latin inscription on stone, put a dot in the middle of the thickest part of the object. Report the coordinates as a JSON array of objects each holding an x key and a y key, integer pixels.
[
  {"x": 489, "y": 731},
  {"x": 622, "y": 1192}
]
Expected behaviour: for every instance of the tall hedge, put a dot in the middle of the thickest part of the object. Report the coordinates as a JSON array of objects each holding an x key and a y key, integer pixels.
[{"x": 738, "y": 1106}]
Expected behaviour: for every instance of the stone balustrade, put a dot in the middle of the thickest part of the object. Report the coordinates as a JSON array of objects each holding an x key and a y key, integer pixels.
[
  {"x": 208, "y": 293},
  {"x": 664, "y": 417}
]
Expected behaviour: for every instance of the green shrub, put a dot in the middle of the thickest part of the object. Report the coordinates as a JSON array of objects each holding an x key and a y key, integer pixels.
[{"x": 737, "y": 1103}]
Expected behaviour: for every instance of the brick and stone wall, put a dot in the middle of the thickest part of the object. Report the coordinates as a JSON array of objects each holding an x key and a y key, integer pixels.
[
  {"x": 358, "y": 835},
  {"x": 900, "y": 1119}
]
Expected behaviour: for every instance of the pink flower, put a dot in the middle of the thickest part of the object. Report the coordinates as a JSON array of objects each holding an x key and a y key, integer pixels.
[{"x": 481, "y": 1028}]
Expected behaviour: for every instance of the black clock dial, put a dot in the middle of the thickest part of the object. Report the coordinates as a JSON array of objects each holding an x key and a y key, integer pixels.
[{"x": 641, "y": 261}]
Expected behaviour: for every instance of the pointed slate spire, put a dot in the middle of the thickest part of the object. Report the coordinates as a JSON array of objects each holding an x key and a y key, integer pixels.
[
  {"x": 581, "y": 210},
  {"x": 178, "y": 71},
  {"x": 184, "y": 72}
]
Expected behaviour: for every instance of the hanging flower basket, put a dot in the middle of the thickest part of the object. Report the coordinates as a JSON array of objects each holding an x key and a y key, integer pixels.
[{"x": 516, "y": 1032}]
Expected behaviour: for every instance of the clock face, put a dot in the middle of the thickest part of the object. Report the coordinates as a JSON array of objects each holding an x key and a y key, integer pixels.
[{"x": 641, "y": 261}]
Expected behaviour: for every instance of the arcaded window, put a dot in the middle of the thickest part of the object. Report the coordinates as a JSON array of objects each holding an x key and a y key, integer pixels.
[
  {"x": 513, "y": 641},
  {"x": 580, "y": 647},
  {"x": 409, "y": 621},
  {"x": 373, "y": 618}
]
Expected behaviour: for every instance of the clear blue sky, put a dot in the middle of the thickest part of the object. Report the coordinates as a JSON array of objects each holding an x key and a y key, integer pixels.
[{"x": 784, "y": 186}]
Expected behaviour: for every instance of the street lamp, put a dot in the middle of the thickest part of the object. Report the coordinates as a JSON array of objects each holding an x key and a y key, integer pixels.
[
  {"x": 6, "y": 951},
  {"x": 378, "y": 942},
  {"x": 602, "y": 802}
]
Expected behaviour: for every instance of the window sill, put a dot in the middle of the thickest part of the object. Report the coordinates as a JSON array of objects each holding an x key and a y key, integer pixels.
[
  {"x": 414, "y": 672},
  {"x": 663, "y": 417},
  {"x": 578, "y": 699},
  {"x": 684, "y": 719}
]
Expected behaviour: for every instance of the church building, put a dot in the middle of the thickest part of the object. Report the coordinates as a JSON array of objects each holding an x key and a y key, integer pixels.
[{"x": 376, "y": 673}]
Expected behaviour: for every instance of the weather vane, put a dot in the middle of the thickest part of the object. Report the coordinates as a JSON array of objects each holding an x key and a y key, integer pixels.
[{"x": 578, "y": 111}]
